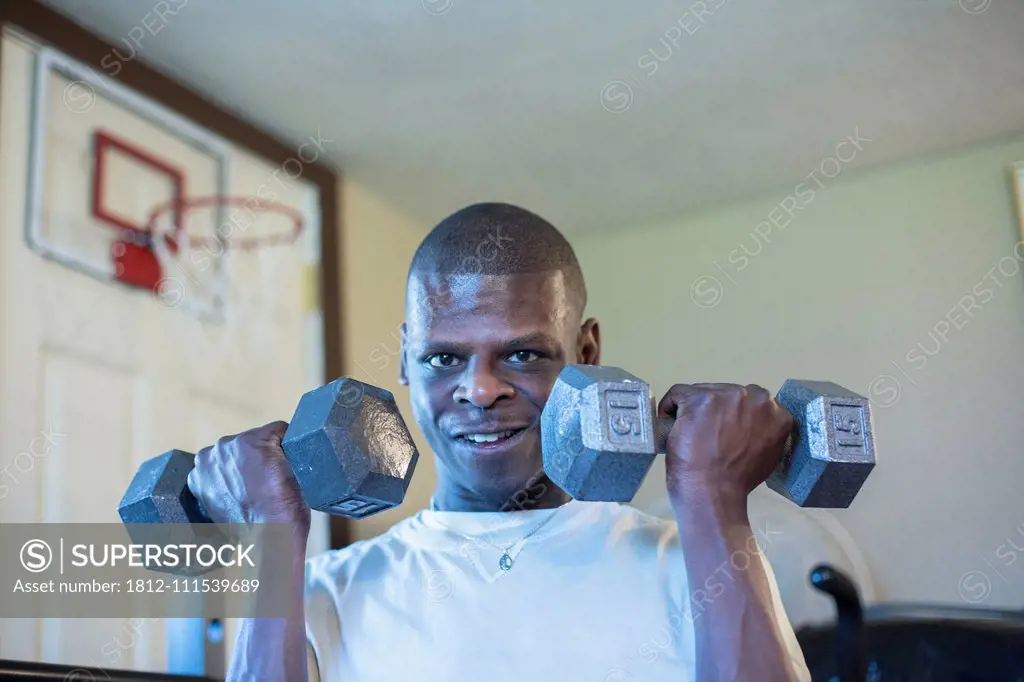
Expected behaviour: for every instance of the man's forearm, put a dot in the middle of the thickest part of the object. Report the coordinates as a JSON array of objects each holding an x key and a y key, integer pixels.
[
  {"x": 729, "y": 598},
  {"x": 274, "y": 648}
]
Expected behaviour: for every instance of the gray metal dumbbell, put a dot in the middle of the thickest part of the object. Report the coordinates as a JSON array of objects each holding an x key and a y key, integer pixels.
[
  {"x": 347, "y": 444},
  {"x": 600, "y": 433}
]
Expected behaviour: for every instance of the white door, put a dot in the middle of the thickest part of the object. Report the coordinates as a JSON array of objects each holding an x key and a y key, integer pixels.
[{"x": 98, "y": 376}]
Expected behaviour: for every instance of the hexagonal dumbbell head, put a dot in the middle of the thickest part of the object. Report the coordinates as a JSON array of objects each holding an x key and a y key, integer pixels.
[
  {"x": 833, "y": 448},
  {"x": 599, "y": 433},
  {"x": 350, "y": 449},
  {"x": 159, "y": 492},
  {"x": 159, "y": 509}
]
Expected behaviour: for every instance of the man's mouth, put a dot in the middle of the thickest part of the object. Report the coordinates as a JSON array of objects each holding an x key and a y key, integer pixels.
[{"x": 490, "y": 440}]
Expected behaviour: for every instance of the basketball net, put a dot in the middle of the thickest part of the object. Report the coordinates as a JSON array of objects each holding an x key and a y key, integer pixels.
[{"x": 228, "y": 267}]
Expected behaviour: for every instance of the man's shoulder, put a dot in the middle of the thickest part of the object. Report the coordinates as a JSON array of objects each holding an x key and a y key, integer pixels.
[
  {"x": 641, "y": 520},
  {"x": 340, "y": 565},
  {"x": 642, "y": 528}
]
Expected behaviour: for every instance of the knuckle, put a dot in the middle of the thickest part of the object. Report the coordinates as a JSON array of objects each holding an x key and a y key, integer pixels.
[
  {"x": 756, "y": 390},
  {"x": 203, "y": 457}
]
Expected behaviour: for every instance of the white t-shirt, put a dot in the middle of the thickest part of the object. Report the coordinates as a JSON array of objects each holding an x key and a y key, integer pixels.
[{"x": 597, "y": 594}]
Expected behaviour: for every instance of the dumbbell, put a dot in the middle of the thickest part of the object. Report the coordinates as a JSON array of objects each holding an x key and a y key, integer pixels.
[
  {"x": 600, "y": 433},
  {"x": 347, "y": 444}
]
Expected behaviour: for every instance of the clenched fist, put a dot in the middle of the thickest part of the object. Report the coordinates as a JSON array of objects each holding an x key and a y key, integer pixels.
[
  {"x": 726, "y": 438},
  {"x": 247, "y": 479}
]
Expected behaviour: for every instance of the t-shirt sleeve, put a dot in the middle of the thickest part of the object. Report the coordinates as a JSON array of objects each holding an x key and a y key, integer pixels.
[
  {"x": 796, "y": 654},
  {"x": 311, "y": 665},
  {"x": 323, "y": 627}
]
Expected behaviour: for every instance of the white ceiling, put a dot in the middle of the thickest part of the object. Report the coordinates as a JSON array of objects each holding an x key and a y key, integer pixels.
[{"x": 438, "y": 103}]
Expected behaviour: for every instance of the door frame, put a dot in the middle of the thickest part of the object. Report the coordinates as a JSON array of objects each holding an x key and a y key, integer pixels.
[{"x": 53, "y": 28}]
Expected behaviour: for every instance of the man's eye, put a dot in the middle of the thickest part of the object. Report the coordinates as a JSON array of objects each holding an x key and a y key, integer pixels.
[
  {"x": 442, "y": 360},
  {"x": 523, "y": 356}
]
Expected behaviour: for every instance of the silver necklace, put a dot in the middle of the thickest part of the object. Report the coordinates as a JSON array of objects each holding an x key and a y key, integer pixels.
[{"x": 506, "y": 561}]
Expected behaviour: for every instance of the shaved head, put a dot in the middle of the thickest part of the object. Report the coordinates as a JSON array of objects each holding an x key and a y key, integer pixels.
[{"x": 499, "y": 239}]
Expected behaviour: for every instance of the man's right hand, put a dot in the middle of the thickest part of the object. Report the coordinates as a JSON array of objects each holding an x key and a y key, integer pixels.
[{"x": 246, "y": 478}]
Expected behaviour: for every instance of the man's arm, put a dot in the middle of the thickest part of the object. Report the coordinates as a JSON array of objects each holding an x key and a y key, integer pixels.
[
  {"x": 739, "y": 634},
  {"x": 275, "y": 648},
  {"x": 725, "y": 441},
  {"x": 246, "y": 479}
]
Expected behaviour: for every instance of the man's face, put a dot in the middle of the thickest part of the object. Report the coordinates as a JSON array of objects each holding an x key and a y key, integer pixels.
[{"x": 480, "y": 355}]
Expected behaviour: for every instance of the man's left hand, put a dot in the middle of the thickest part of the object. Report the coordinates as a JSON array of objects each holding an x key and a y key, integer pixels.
[{"x": 727, "y": 439}]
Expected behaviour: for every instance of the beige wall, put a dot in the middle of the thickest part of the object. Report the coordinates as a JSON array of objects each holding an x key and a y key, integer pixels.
[
  {"x": 377, "y": 244},
  {"x": 868, "y": 269}
]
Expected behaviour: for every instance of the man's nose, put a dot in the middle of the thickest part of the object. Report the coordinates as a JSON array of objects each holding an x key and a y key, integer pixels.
[{"x": 481, "y": 387}]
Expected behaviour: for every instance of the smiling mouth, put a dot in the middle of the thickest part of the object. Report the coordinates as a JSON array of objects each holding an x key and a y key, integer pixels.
[{"x": 490, "y": 440}]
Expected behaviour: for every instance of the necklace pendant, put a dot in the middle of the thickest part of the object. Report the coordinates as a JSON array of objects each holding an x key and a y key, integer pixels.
[{"x": 505, "y": 563}]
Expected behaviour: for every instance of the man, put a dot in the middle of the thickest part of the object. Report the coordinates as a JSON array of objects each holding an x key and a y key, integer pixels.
[{"x": 505, "y": 577}]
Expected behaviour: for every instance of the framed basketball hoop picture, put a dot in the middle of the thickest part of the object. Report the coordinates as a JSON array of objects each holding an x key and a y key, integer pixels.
[
  {"x": 125, "y": 190},
  {"x": 102, "y": 159}
]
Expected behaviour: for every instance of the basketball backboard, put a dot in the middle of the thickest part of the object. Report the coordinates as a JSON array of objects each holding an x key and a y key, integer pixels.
[{"x": 102, "y": 158}]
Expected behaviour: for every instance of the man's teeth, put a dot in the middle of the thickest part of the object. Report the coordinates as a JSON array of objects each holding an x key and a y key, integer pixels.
[{"x": 487, "y": 437}]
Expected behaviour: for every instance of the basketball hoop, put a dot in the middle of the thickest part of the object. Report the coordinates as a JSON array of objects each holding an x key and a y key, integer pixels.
[
  {"x": 226, "y": 260},
  {"x": 182, "y": 207}
]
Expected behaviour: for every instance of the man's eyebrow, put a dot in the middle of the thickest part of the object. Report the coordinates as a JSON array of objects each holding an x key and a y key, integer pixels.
[{"x": 533, "y": 339}]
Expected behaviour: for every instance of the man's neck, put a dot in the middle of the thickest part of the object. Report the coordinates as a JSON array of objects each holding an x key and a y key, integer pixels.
[{"x": 538, "y": 493}]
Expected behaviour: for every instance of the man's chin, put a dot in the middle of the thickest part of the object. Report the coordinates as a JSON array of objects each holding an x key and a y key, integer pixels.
[{"x": 503, "y": 473}]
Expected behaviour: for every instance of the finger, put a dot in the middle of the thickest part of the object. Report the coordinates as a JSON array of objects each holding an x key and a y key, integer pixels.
[
  {"x": 200, "y": 467},
  {"x": 675, "y": 399},
  {"x": 194, "y": 485},
  {"x": 682, "y": 395},
  {"x": 718, "y": 387},
  {"x": 224, "y": 440},
  {"x": 757, "y": 391},
  {"x": 275, "y": 428},
  {"x": 787, "y": 422}
]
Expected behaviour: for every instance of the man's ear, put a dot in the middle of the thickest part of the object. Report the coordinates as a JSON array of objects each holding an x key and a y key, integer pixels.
[
  {"x": 588, "y": 348},
  {"x": 403, "y": 379}
]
